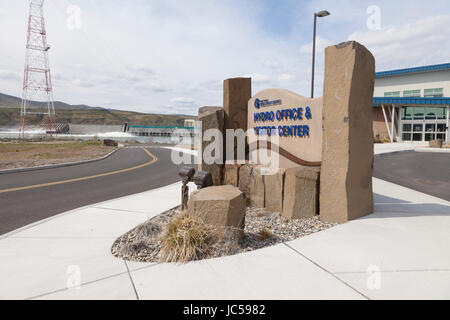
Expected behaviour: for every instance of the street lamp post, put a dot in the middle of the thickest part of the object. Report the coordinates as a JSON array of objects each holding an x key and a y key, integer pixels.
[{"x": 319, "y": 14}]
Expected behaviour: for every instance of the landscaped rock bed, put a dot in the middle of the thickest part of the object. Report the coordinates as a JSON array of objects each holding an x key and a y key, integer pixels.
[{"x": 262, "y": 229}]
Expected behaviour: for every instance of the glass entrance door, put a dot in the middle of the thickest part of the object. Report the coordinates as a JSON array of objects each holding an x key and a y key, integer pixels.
[
  {"x": 423, "y": 124},
  {"x": 417, "y": 132}
]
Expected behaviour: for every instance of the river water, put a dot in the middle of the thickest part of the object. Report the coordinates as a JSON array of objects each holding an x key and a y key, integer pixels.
[{"x": 31, "y": 133}]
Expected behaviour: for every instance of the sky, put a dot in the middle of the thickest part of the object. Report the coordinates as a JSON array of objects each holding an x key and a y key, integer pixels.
[{"x": 165, "y": 56}]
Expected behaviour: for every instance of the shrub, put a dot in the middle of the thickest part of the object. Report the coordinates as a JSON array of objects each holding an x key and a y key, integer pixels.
[
  {"x": 265, "y": 234},
  {"x": 385, "y": 140},
  {"x": 186, "y": 238},
  {"x": 377, "y": 139}
]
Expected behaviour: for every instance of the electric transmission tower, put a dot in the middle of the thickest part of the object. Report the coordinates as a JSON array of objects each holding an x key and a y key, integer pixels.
[{"x": 37, "y": 96}]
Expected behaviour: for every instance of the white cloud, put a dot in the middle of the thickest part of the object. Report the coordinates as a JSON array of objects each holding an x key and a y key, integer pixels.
[
  {"x": 321, "y": 44},
  {"x": 271, "y": 63},
  {"x": 419, "y": 43},
  {"x": 286, "y": 77},
  {"x": 183, "y": 100},
  {"x": 260, "y": 78},
  {"x": 9, "y": 75}
]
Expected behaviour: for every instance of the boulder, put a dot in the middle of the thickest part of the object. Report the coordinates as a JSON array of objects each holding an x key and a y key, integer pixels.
[
  {"x": 231, "y": 174},
  {"x": 301, "y": 192},
  {"x": 110, "y": 143},
  {"x": 251, "y": 182},
  {"x": 211, "y": 118},
  {"x": 245, "y": 173},
  {"x": 273, "y": 190},
  {"x": 220, "y": 206},
  {"x": 257, "y": 188},
  {"x": 347, "y": 147}
]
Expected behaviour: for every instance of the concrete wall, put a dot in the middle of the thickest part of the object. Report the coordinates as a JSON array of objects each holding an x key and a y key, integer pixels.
[
  {"x": 93, "y": 128},
  {"x": 414, "y": 81}
]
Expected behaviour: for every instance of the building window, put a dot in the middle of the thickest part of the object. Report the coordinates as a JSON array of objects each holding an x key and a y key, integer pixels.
[
  {"x": 430, "y": 127},
  {"x": 419, "y": 113},
  {"x": 393, "y": 94},
  {"x": 411, "y": 93},
  {"x": 434, "y": 93},
  {"x": 430, "y": 113},
  {"x": 441, "y": 127},
  {"x": 442, "y": 113},
  {"x": 407, "y": 127},
  {"x": 417, "y": 127},
  {"x": 407, "y": 113},
  {"x": 406, "y": 137}
]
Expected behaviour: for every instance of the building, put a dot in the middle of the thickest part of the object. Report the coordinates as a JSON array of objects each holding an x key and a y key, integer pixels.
[
  {"x": 189, "y": 123},
  {"x": 412, "y": 104}
]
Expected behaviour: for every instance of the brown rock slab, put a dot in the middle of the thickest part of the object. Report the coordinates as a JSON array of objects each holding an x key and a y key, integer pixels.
[
  {"x": 251, "y": 183},
  {"x": 231, "y": 174},
  {"x": 274, "y": 185},
  {"x": 257, "y": 188},
  {"x": 211, "y": 118},
  {"x": 245, "y": 173},
  {"x": 301, "y": 193},
  {"x": 219, "y": 206},
  {"x": 347, "y": 148},
  {"x": 236, "y": 94}
]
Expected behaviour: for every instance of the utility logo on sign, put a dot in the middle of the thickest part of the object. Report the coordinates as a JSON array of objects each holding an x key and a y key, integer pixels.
[
  {"x": 257, "y": 103},
  {"x": 266, "y": 103}
]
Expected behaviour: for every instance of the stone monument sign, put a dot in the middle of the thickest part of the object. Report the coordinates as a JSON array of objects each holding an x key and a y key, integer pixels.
[{"x": 292, "y": 121}]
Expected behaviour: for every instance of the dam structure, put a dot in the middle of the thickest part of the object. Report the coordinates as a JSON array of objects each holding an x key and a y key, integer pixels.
[{"x": 160, "y": 131}]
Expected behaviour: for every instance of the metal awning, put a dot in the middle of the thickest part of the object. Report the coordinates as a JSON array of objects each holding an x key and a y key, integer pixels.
[{"x": 378, "y": 101}]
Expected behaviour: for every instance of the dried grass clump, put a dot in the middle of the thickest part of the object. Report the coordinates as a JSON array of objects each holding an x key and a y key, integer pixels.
[
  {"x": 186, "y": 238},
  {"x": 265, "y": 234}
]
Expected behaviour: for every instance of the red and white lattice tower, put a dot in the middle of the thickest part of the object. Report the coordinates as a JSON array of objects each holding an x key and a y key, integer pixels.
[{"x": 37, "y": 82}]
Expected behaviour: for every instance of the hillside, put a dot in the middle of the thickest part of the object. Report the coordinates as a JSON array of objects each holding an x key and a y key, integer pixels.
[{"x": 83, "y": 114}]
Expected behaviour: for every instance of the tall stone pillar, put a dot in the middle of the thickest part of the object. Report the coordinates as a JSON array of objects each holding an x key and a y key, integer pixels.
[
  {"x": 347, "y": 148},
  {"x": 236, "y": 94},
  {"x": 211, "y": 118}
]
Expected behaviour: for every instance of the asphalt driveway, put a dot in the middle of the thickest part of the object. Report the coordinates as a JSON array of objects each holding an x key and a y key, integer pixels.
[{"x": 422, "y": 171}]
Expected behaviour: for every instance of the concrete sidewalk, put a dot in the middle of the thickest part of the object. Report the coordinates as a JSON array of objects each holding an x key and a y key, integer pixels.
[
  {"x": 381, "y": 148},
  {"x": 406, "y": 240}
]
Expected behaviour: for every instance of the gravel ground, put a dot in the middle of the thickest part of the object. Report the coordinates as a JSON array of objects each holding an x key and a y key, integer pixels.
[
  {"x": 262, "y": 229},
  {"x": 35, "y": 154}
]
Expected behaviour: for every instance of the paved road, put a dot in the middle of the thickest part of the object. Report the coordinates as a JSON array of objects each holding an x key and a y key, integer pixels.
[
  {"x": 425, "y": 172},
  {"x": 132, "y": 170},
  {"x": 53, "y": 191}
]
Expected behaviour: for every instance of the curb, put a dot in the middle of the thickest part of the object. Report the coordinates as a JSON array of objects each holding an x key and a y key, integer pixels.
[
  {"x": 434, "y": 150},
  {"x": 418, "y": 150},
  {"x": 393, "y": 152},
  {"x": 69, "y": 164}
]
